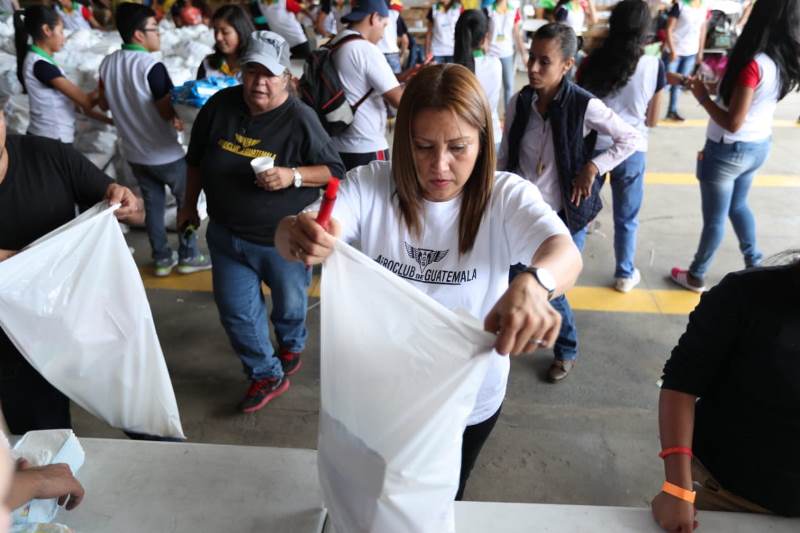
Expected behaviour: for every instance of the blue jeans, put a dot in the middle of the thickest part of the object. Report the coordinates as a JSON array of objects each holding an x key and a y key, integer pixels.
[
  {"x": 627, "y": 190},
  {"x": 508, "y": 77},
  {"x": 441, "y": 60},
  {"x": 683, "y": 65},
  {"x": 725, "y": 173},
  {"x": 152, "y": 179},
  {"x": 239, "y": 268},
  {"x": 394, "y": 62},
  {"x": 566, "y": 346}
]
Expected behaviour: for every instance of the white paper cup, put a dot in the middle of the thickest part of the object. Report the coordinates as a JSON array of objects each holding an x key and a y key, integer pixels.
[{"x": 261, "y": 164}]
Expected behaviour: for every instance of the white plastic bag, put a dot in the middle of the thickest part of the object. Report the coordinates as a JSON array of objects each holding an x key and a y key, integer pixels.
[
  {"x": 400, "y": 374},
  {"x": 74, "y": 305}
]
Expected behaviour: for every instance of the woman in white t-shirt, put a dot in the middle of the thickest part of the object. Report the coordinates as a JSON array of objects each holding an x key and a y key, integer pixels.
[
  {"x": 51, "y": 95},
  {"x": 329, "y": 19},
  {"x": 629, "y": 82},
  {"x": 763, "y": 67},
  {"x": 232, "y": 28},
  {"x": 440, "y": 206},
  {"x": 472, "y": 39},
  {"x": 504, "y": 28},
  {"x": 577, "y": 14},
  {"x": 686, "y": 37},
  {"x": 440, "y": 39},
  {"x": 281, "y": 17}
]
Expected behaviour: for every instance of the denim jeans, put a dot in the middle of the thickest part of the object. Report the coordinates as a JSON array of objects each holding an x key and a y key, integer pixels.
[
  {"x": 683, "y": 65},
  {"x": 441, "y": 60},
  {"x": 566, "y": 346},
  {"x": 725, "y": 173},
  {"x": 152, "y": 179},
  {"x": 508, "y": 77},
  {"x": 394, "y": 62},
  {"x": 239, "y": 268},
  {"x": 627, "y": 191}
]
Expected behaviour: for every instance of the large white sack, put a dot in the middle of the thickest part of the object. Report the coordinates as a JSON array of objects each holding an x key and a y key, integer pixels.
[
  {"x": 74, "y": 305},
  {"x": 399, "y": 376}
]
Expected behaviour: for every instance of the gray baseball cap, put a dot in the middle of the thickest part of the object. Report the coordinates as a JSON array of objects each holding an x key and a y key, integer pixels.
[{"x": 269, "y": 49}]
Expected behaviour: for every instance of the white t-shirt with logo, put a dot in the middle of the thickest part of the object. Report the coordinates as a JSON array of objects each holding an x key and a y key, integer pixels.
[
  {"x": 489, "y": 72},
  {"x": 502, "y": 31},
  {"x": 516, "y": 222},
  {"x": 361, "y": 67},
  {"x": 758, "y": 121},
  {"x": 443, "y": 38},
  {"x": 686, "y": 34},
  {"x": 282, "y": 22}
]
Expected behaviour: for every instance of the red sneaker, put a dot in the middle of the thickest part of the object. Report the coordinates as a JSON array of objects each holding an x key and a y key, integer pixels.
[
  {"x": 290, "y": 361},
  {"x": 261, "y": 392}
]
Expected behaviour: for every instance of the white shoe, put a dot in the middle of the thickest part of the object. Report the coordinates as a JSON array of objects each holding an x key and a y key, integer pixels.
[{"x": 626, "y": 284}]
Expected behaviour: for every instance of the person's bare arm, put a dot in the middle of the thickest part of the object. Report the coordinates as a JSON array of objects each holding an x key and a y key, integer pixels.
[
  {"x": 520, "y": 42},
  {"x": 80, "y": 98},
  {"x": 165, "y": 109},
  {"x": 702, "y": 48},
  {"x": 670, "y": 38},
  {"x": 44, "y": 482},
  {"x": 731, "y": 119},
  {"x": 654, "y": 110},
  {"x": 319, "y": 24},
  {"x": 194, "y": 185},
  {"x": 591, "y": 13},
  {"x": 429, "y": 39},
  {"x": 676, "y": 425},
  {"x": 393, "y": 96},
  {"x": 5, "y": 254}
]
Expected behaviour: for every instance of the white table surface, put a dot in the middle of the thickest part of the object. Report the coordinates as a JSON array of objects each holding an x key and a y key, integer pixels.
[
  {"x": 157, "y": 487},
  {"x": 483, "y": 517},
  {"x": 202, "y": 488}
]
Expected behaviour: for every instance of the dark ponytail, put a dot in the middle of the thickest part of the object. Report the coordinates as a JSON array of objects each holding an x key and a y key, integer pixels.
[
  {"x": 29, "y": 23},
  {"x": 471, "y": 29}
]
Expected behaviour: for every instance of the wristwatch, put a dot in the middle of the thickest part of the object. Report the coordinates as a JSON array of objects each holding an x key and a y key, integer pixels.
[
  {"x": 545, "y": 279},
  {"x": 297, "y": 178}
]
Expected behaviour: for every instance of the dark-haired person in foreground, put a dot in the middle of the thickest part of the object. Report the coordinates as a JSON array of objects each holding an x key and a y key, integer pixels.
[
  {"x": 136, "y": 87},
  {"x": 629, "y": 82},
  {"x": 729, "y": 410},
  {"x": 551, "y": 129}
]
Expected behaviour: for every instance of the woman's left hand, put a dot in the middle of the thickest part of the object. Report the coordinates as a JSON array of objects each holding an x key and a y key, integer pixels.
[
  {"x": 522, "y": 318},
  {"x": 275, "y": 179},
  {"x": 131, "y": 208},
  {"x": 582, "y": 185}
]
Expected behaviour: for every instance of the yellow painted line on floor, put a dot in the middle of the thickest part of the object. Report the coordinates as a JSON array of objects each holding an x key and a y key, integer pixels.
[
  {"x": 703, "y": 122},
  {"x": 762, "y": 180},
  {"x": 667, "y": 302}
]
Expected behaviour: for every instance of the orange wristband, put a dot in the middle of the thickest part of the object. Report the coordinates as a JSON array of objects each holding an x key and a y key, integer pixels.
[{"x": 678, "y": 492}]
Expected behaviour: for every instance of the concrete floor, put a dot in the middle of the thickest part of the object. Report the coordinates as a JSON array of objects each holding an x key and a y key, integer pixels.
[{"x": 589, "y": 440}]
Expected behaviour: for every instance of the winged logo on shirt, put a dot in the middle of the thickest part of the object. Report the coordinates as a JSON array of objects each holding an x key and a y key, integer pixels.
[{"x": 425, "y": 257}]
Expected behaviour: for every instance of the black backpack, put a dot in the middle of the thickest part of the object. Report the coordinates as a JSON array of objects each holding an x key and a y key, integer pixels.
[{"x": 321, "y": 88}]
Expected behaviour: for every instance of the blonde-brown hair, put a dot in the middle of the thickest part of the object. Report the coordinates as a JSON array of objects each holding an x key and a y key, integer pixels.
[{"x": 453, "y": 88}]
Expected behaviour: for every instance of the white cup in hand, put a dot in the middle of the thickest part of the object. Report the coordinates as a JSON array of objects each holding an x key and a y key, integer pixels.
[{"x": 261, "y": 164}]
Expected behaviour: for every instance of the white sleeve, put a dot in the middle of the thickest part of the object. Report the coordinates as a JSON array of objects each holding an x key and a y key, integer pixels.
[
  {"x": 602, "y": 119},
  {"x": 377, "y": 70},
  {"x": 502, "y": 154},
  {"x": 527, "y": 219}
]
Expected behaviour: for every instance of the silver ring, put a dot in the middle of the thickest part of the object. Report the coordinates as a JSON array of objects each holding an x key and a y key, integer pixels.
[{"x": 538, "y": 342}]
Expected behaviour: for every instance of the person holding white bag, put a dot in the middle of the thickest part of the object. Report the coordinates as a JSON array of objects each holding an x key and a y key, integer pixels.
[
  {"x": 41, "y": 182},
  {"x": 439, "y": 216}
]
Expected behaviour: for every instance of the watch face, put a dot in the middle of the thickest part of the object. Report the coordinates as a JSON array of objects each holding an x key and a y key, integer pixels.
[{"x": 546, "y": 279}]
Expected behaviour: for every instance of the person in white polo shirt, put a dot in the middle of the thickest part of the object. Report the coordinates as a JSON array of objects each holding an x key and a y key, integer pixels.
[
  {"x": 367, "y": 79},
  {"x": 136, "y": 87},
  {"x": 440, "y": 39}
]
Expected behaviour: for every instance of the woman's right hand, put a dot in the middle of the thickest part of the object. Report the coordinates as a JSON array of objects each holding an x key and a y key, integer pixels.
[
  {"x": 673, "y": 514},
  {"x": 306, "y": 241}
]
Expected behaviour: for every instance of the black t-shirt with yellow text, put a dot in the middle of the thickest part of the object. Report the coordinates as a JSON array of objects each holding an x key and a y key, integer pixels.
[{"x": 226, "y": 137}]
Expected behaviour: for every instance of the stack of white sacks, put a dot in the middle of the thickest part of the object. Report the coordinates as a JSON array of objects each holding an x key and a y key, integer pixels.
[{"x": 182, "y": 51}]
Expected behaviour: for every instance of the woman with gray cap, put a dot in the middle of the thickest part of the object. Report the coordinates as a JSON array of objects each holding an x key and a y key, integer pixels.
[{"x": 259, "y": 119}]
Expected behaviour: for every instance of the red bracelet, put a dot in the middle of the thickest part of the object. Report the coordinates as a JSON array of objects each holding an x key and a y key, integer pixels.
[{"x": 674, "y": 451}]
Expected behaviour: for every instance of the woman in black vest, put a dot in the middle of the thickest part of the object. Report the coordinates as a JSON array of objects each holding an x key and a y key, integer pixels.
[{"x": 551, "y": 129}]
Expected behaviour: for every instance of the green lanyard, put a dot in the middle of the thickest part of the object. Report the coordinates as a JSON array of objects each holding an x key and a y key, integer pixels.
[
  {"x": 36, "y": 50},
  {"x": 478, "y": 53},
  {"x": 133, "y": 47}
]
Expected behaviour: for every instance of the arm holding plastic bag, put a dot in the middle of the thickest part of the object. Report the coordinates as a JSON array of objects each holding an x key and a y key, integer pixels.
[{"x": 523, "y": 319}]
